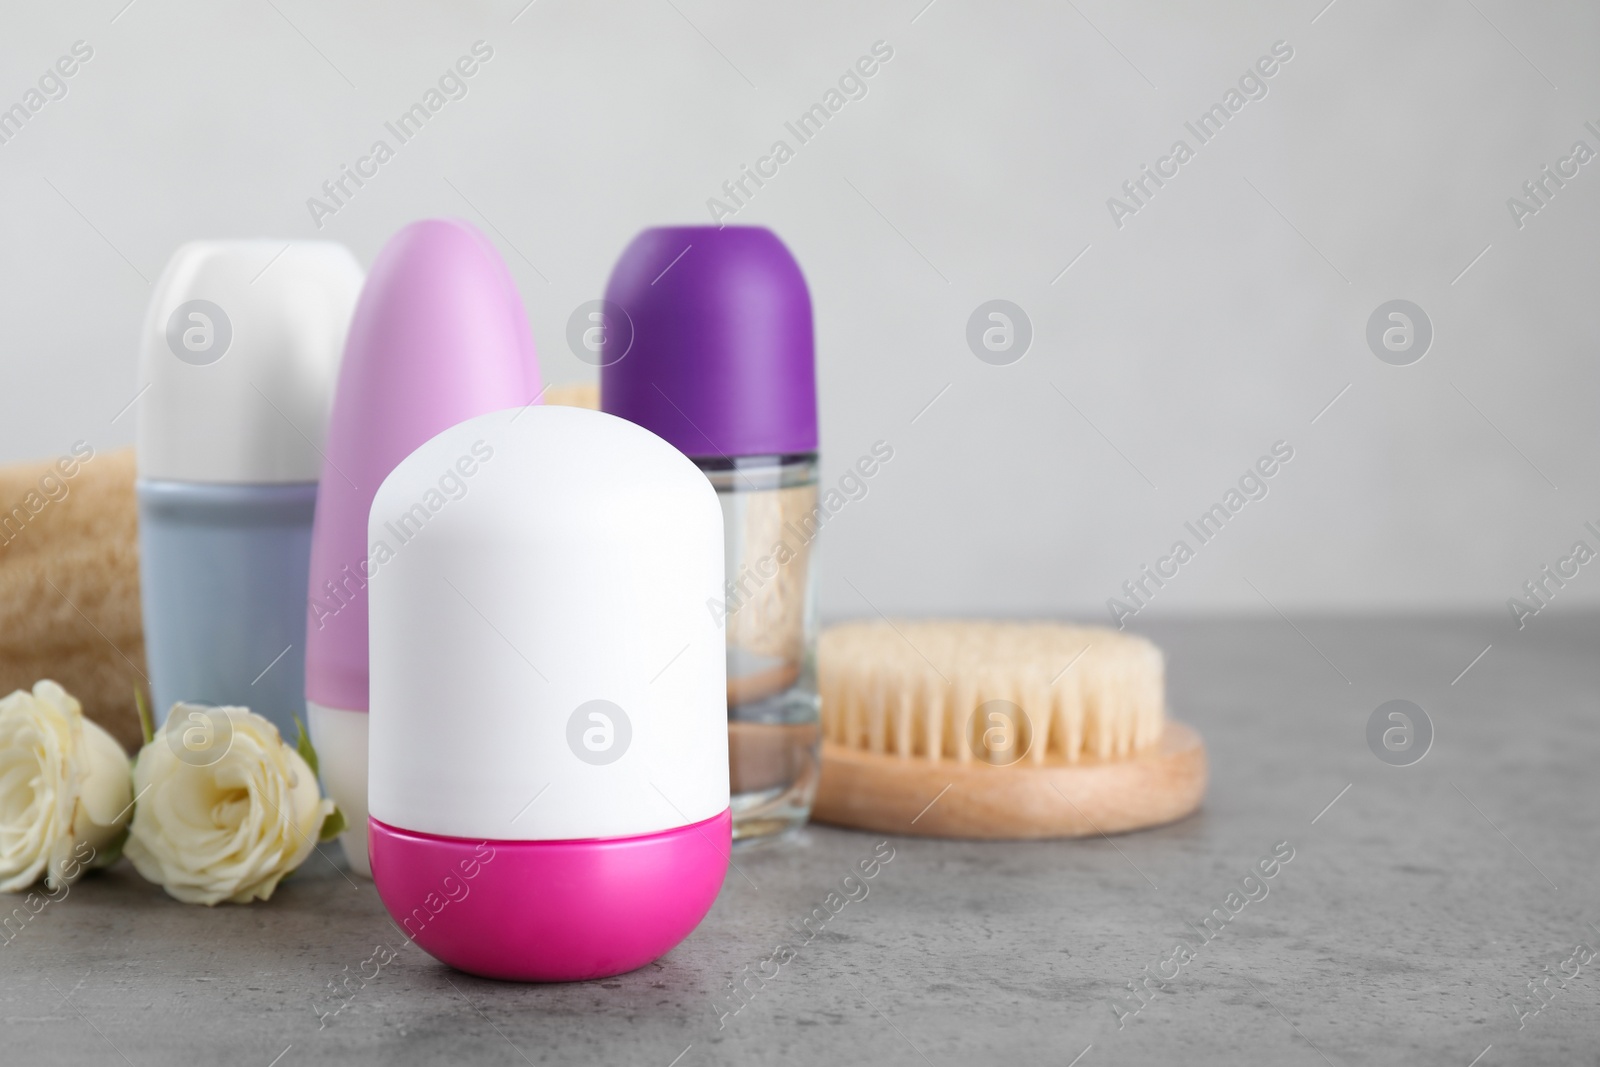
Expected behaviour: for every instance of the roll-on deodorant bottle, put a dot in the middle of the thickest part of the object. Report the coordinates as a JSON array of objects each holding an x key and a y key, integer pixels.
[
  {"x": 708, "y": 343},
  {"x": 439, "y": 336},
  {"x": 549, "y": 767},
  {"x": 238, "y": 357}
]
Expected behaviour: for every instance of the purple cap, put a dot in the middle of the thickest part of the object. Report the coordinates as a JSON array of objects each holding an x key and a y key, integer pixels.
[
  {"x": 439, "y": 336},
  {"x": 721, "y": 360}
]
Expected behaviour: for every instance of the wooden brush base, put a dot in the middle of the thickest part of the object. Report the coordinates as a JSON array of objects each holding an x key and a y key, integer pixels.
[{"x": 888, "y": 794}]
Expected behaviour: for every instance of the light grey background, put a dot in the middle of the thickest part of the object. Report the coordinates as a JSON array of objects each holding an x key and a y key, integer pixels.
[{"x": 1223, "y": 317}]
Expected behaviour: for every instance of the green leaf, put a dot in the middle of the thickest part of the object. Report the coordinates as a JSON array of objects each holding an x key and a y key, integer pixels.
[
  {"x": 303, "y": 746},
  {"x": 112, "y": 852},
  {"x": 146, "y": 726},
  {"x": 332, "y": 826}
]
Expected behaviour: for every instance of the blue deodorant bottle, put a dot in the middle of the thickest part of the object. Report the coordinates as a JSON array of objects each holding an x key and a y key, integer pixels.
[{"x": 239, "y": 355}]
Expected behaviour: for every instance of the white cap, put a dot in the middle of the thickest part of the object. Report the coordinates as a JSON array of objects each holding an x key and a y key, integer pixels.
[
  {"x": 545, "y": 661},
  {"x": 238, "y": 357}
]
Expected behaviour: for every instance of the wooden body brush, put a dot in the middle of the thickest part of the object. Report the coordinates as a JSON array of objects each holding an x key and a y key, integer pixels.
[{"x": 999, "y": 730}]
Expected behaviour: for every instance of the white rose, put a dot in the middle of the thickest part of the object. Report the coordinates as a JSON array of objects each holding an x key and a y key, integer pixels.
[
  {"x": 65, "y": 791},
  {"x": 229, "y": 817}
]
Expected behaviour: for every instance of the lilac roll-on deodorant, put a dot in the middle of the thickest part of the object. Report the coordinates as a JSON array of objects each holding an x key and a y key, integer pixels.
[{"x": 439, "y": 336}]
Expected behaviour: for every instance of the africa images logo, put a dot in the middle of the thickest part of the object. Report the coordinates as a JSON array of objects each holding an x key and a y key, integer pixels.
[
  {"x": 199, "y": 332},
  {"x": 999, "y": 332},
  {"x": 599, "y": 732}
]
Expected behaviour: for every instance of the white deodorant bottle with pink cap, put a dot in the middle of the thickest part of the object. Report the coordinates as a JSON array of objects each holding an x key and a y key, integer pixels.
[{"x": 549, "y": 747}]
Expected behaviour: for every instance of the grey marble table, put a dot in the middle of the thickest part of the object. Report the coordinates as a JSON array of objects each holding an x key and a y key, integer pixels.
[{"x": 1406, "y": 928}]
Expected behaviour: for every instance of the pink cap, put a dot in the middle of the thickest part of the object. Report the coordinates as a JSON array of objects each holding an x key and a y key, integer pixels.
[{"x": 439, "y": 336}]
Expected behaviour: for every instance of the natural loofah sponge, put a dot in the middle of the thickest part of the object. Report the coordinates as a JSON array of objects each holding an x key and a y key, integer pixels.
[
  {"x": 69, "y": 583},
  {"x": 574, "y": 395}
]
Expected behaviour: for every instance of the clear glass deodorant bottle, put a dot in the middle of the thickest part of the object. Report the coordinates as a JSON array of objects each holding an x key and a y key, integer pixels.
[
  {"x": 769, "y": 515},
  {"x": 708, "y": 343}
]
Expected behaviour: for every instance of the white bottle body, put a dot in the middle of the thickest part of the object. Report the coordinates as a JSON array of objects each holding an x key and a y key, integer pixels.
[{"x": 545, "y": 663}]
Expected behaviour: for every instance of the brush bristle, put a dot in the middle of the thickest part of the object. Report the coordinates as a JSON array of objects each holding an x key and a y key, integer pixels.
[{"x": 916, "y": 689}]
